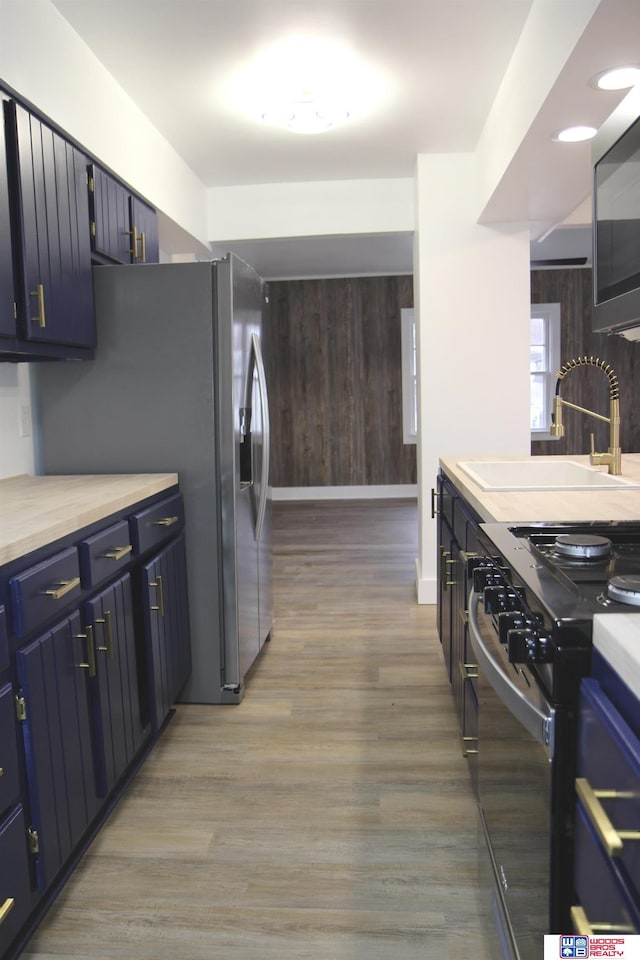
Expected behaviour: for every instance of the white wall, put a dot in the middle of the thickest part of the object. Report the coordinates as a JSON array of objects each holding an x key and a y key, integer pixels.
[
  {"x": 311, "y": 209},
  {"x": 472, "y": 300},
  {"x": 16, "y": 442}
]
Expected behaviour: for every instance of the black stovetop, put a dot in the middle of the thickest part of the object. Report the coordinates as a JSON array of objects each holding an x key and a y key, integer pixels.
[{"x": 566, "y": 587}]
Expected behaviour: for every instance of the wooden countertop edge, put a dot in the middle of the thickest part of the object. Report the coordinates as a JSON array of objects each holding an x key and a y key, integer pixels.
[
  {"x": 26, "y": 526},
  {"x": 553, "y": 505}
]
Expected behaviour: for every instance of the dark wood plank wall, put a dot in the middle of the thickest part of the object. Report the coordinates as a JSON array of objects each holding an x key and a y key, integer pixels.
[
  {"x": 333, "y": 361},
  {"x": 587, "y": 386}
]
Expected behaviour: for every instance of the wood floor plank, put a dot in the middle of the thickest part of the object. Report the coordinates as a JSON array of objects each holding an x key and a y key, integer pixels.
[{"x": 330, "y": 814}]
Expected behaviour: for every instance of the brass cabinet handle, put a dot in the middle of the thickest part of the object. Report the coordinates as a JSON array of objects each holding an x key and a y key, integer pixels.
[
  {"x": 469, "y": 671},
  {"x": 90, "y": 665},
  {"x": 6, "y": 908},
  {"x": 39, "y": 293},
  {"x": 108, "y": 635},
  {"x": 165, "y": 521},
  {"x": 118, "y": 552},
  {"x": 612, "y": 839},
  {"x": 133, "y": 249},
  {"x": 143, "y": 247},
  {"x": 65, "y": 587},
  {"x": 583, "y": 926},
  {"x": 434, "y": 512},
  {"x": 469, "y": 751},
  {"x": 444, "y": 563},
  {"x": 157, "y": 583},
  {"x": 1, "y": 771}
]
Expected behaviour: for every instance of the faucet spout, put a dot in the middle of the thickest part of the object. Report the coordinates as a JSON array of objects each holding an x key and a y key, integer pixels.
[{"x": 613, "y": 457}]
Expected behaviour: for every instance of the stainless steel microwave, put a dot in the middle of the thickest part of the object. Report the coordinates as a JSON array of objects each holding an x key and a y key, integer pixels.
[{"x": 616, "y": 221}]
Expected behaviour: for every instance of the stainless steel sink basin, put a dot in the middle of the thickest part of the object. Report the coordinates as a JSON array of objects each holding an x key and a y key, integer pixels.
[{"x": 542, "y": 475}]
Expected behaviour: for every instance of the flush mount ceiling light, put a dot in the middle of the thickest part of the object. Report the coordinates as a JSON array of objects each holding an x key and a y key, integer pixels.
[
  {"x": 620, "y": 78},
  {"x": 306, "y": 115},
  {"x": 306, "y": 84},
  {"x": 574, "y": 134}
]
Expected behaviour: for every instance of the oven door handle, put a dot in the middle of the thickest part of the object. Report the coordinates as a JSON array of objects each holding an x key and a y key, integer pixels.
[{"x": 539, "y": 723}]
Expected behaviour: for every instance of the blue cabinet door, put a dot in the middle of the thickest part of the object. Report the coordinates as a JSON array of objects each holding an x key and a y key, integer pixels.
[
  {"x": 7, "y": 294},
  {"x": 118, "y": 730},
  {"x": 52, "y": 673},
  {"x": 9, "y": 784},
  {"x": 56, "y": 303},
  {"x": 15, "y": 885},
  {"x": 144, "y": 226},
  {"x": 167, "y": 627},
  {"x": 124, "y": 229},
  {"x": 109, "y": 211}
]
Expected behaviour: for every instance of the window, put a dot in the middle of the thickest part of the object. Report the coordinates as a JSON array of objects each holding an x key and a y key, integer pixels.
[
  {"x": 544, "y": 365},
  {"x": 409, "y": 375}
]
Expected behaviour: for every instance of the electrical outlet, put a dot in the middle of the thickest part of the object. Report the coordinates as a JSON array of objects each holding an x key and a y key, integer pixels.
[{"x": 24, "y": 420}]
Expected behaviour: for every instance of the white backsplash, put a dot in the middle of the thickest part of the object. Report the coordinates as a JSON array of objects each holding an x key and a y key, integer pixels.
[{"x": 16, "y": 420}]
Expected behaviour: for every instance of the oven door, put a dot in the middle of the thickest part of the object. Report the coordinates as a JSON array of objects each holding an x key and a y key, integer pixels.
[{"x": 516, "y": 726}]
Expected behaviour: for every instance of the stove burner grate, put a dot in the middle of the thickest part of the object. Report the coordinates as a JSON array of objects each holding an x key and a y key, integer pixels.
[
  {"x": 625, "y": 589},
  {"x": 582, "y": 546}
]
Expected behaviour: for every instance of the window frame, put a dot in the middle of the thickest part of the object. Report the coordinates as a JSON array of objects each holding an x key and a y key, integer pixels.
[
  {"x": 551, "y": 314},
  {"x": 409, "y": 375}
]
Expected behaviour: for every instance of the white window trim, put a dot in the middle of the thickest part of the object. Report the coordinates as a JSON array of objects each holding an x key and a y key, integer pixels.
[
  {"x": 552, "y": 313},
  {"x": 409, "y": 379}
]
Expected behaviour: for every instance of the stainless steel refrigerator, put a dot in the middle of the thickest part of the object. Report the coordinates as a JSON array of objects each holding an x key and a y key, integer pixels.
[{"x": 178, "y": 384}]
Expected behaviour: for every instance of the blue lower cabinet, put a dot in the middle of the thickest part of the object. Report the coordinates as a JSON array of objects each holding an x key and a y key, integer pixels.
[
  {"x": 607, "y": 852},
  {"x": 117, "y": 725},
  {"x": 15, "y": 888},
  {"x": 606, "y": 895},
  {"x": 9, "y": 784},
  {"x": 56, "y": 728},
  {"x": 4, "y": 642},
  {"x": 166, "y": 613}
]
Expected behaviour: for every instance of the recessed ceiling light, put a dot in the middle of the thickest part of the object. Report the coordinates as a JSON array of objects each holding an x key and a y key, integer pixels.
[
  {"x": 620, "y": 78},
  {"x": 575, "y": 134}
]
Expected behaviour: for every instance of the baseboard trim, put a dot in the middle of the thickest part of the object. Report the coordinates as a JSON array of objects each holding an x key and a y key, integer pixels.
[
  {"x": 399, "y": 491},
  {"x": 426, "y": 589}
]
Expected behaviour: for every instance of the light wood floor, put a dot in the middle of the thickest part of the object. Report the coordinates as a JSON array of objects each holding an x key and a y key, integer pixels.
[{"x": 329, "y": 815}]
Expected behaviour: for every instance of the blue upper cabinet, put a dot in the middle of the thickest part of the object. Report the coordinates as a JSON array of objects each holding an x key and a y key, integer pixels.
[
  {"x": 124, "y": 229},
  {"x": 7, "y": 295},
  {"x": 144, "y": 223},
  {"x": 48, "y": 187}
]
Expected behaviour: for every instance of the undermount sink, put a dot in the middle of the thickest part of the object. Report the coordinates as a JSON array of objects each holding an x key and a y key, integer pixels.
[{"x": 541, "y": 475}]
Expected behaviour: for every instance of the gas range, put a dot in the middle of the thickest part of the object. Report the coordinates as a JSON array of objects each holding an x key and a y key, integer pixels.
[
  {"x": 543, "y": 583},
  {"x": 573, "y": 568},
  {"x": 533, "y": 592}
]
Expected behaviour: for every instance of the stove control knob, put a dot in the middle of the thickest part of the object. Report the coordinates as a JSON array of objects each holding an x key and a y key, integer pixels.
[
  {"x": 522, "y": 645},
  {"x": 483, "y": 577},
  {"x": 500, "y": 599},
  {"x": 525, "y": 646},
  {"x": 508, "y": 621},
  {"x": 493, "y": 598}
]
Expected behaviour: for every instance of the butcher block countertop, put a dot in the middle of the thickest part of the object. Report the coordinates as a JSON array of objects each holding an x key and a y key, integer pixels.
[
  {"x": 35, "y": 511},
  {"x": 557, "y": 505}
]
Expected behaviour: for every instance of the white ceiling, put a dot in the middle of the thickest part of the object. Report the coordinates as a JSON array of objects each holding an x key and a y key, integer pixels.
[{"x": 440, "y": 64}]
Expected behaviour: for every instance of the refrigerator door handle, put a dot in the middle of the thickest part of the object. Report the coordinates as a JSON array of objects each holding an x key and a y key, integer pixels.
[{"x": 266, "y": 433}]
